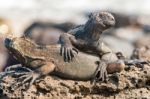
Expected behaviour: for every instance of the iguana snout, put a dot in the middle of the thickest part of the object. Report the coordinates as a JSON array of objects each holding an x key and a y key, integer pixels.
[{"x": 8, "y": 42}]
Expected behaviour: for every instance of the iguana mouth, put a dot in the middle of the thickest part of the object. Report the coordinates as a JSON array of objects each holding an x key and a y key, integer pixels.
[
  {"x": 9, "y": 45},
  {"x": 109, "y": 24}
]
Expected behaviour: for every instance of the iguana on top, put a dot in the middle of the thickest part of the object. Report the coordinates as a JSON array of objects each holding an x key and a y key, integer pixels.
[{"x": 87, "y": 38}]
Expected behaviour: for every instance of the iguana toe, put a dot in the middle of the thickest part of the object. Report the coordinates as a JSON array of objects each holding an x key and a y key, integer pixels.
[
  {"x": 101, "y": 72},
  {"x": 68, "y": 53},
  {"x": 21, "y": 75}
]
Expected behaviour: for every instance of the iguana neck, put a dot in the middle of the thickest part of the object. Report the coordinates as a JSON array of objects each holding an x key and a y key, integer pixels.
[{"x": 92, "y": 30}]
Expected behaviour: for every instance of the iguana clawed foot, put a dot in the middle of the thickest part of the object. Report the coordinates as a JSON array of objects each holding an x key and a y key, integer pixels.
[
  {"x": 24, "y": 78},
  {"x": 106, "y": 68},
  {"x": 101, "y": 72},
  {"x": 21, "y": 75},
  {"x": 10, "y": 70},
  {"x": 68, "y": 52}
]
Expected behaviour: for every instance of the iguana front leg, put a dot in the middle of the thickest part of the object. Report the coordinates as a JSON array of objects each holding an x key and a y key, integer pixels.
[
  {"x": 67, "y": 50},
  {"x": 104, "y": 53},
  {"x": 101, "y": 72},
  {"x": 109, "y": 63}
]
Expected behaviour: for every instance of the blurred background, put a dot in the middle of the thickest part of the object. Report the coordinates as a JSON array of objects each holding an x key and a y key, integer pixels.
[{"x": 44, "y": 20}]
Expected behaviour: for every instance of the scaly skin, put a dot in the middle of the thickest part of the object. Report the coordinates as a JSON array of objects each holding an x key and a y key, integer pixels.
[
  {"x": 45, "y": 60},
  {"x": 87, "y": 37},
  {"x": 32, "y": 56},
  {"x": 38, "y": 61}
]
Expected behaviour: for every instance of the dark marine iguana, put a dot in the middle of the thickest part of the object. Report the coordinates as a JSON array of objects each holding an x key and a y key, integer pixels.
[
  {"x": 87, "y": 38},
  {"x": 38, "y": 61}
]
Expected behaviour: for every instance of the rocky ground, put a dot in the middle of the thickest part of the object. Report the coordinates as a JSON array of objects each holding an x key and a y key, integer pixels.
[{"x": 133, "y": 83}]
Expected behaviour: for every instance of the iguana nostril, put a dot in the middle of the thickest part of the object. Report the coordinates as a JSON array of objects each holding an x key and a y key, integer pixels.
[{"x": 8, "y": 42}]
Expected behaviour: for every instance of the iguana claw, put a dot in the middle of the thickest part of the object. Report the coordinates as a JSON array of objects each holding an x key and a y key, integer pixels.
[
  {"x": 68, "y": 53},
  {"x": 101, "y": 72},
  {"x": 21, "y": 74},
  {"x": 25, "y": 78}
]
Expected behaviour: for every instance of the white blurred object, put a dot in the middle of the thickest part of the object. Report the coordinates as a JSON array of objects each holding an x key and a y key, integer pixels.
[
  {"x": 118, "y": 45},
  {"x": 68, "y": 9},
  {"x": 130, "y": 34},
  {"x": 4, "y": 29},
  {"x": 22, "y": 12}
]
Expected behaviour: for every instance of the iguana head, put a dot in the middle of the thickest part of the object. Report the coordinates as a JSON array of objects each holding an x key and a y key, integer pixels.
[
  {"x": 22, "y": 49},
  {"x": 103, "y": 20}
]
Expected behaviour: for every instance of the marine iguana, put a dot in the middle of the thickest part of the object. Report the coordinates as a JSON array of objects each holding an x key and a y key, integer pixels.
[
  {"x": 87, "y": 38},
  {"x": 38, "y": 61}
]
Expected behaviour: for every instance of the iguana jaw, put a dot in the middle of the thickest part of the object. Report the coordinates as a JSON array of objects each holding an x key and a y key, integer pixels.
[{"x": 13, "y": 49}]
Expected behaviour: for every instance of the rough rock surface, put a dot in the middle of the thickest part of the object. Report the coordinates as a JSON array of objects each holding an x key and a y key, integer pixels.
[{"x": 133, "y": 82}]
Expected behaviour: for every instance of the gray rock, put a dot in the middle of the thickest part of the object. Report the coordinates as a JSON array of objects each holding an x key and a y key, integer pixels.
[
  {"x": 129, "y": 33},
  {"x": 119, "y": 45}
]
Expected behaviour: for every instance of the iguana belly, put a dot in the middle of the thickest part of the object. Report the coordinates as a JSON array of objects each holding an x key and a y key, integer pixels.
[{"x": 82, "y": 67}]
